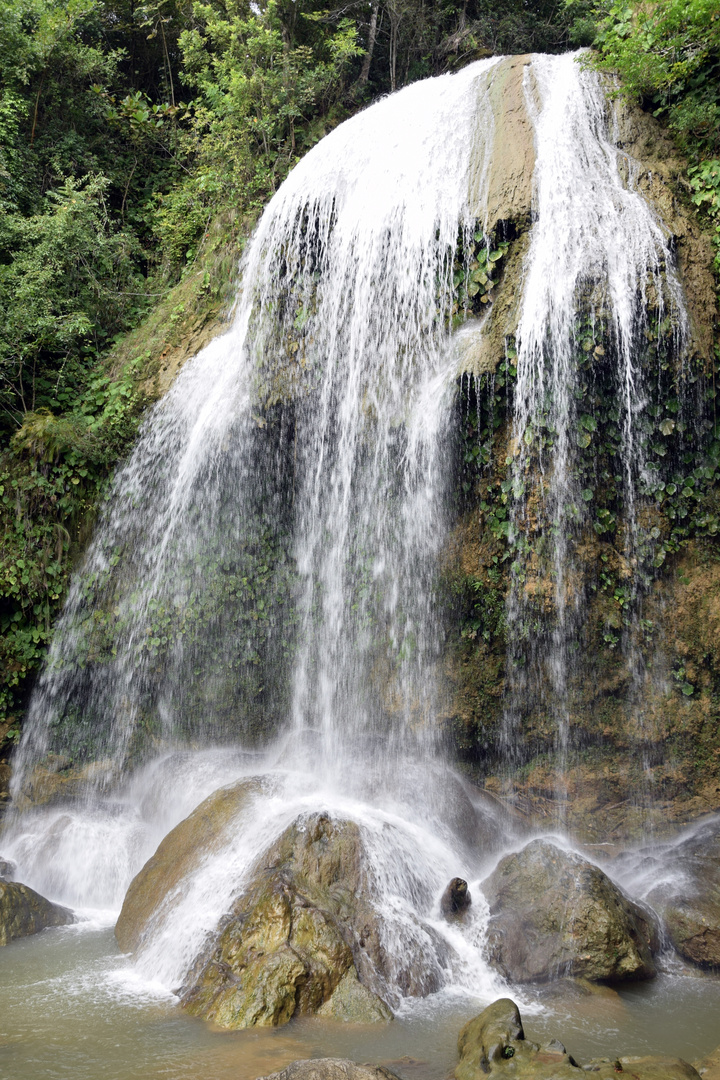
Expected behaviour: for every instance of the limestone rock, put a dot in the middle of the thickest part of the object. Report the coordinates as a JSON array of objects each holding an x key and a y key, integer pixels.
[
  {"x": 298, "y": 938},
  {"x": 554, "y": 914},
  {"x": 24, "y": 912},
  {"x": 456, "y": 899},
  {"x": 353, "y": 1003},
  {"x": 509, "y": 195},
  {"x": 177, "y": 856},
  {"x": 494, "y": 1044},
  {"x": 57, "y": 780},
  {"x": 689, "y": 900},
  {"x": 7, "y": 870},
  {"x": 709, "y": 1066},
  {"x": 331, "y": 1069}
]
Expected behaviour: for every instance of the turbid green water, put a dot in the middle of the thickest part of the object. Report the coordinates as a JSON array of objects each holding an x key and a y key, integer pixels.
[{"x": 72, "y": 1008}]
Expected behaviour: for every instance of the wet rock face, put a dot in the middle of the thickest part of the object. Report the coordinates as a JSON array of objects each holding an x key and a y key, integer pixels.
[
  {"x": 331, "y": 1069},
  {"x": 554, "y": 914},
  {"x": 494, "y": 1044},
  {"x": 689, "y": 903},
  {"x": 5, "y": 777},
  {"x": 24, "y": 912},
  {"x": 7, "y": 870},
  {"x": 303, "y": 938},
  {"x": 456, "y": 899},
  {"x": 177, "y": 856}
]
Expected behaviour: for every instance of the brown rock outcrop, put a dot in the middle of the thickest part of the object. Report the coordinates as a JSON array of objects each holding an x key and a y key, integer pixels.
[
  {"x": 24, "y": 912},
  {"x": 554, "y": 914},
  {"x": 298, "y": 938}
]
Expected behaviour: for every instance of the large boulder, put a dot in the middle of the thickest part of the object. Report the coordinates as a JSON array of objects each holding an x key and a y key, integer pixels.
[
  {"x": 493, "y": 1044},
  {"x": 303, "y": 937},
  {"x": 206, "y": 830},
  {"x": 331, "y": 1069},
  {"x": 688, "y": 898},
  {"x": 554, "y": 914},
  {"x": 24, "y": 912}
]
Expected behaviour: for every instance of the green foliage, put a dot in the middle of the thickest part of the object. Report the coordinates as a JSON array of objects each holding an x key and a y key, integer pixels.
[
  {"x": 667, "y": 55},
  {"x": 52, "y": 477},
  {"x": 266, "y": 90},
  {"x": 705, "y": 184},
  {"x": 71, "y": 285}
]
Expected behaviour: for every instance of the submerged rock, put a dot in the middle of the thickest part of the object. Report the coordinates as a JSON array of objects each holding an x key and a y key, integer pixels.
[
  {"x": 24, "y": 912},
  {"x": 331, "y": 1069},
  {"x": 554, "y": 914},
  {"x": 689, "y": 901},
  {"x": 494, "y": 1044},
  {"x": 456, "y": 899},
  {"x": 302, "y": 938}
]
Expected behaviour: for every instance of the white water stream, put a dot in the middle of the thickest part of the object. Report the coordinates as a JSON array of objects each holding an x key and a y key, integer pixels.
[{"x": 268, "y": 559}]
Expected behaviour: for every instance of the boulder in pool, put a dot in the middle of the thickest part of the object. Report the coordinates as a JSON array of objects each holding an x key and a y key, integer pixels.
[
  {"x": 556, "y": 915},
  {"x": 24, "y": 912},
  {"x": 493, "y": 1044},
  {"x": 302, "y": 938}
]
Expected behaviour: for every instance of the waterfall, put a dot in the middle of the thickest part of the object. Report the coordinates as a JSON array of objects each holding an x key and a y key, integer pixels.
[
  {"x": 270, "y": 547},
  {"x": 597, "y": 252},
  {"x": 261, "y": 596}
]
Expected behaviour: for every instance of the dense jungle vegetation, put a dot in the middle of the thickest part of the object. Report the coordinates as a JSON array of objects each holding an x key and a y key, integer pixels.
[{"x": 138, "y": 142}]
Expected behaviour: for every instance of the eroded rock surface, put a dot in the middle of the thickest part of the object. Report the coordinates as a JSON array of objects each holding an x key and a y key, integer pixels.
[
  {"x": 555, "y": 914},
  {"x": 24, "y": 912},
  {"x": 689, "y": 898},
  {"x": 494, "y": 1044},
  {"x": 298, "y": 938}
]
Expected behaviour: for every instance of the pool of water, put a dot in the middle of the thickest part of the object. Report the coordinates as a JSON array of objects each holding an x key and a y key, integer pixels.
[{"x": 73, "y": 1008}]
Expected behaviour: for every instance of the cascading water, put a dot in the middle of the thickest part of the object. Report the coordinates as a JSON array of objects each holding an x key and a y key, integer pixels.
[
  {"x": 281, "y": 519},
  {"x": 312, "y": 434},
  {"x": 596, "y": 252},
  {"x": 266, "y": 572}
]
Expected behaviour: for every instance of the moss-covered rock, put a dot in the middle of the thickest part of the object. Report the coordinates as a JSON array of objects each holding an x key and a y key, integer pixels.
[
  {"x": 494, "y": 1044},
  {"x": 298, "y": 937},
  {"x": 554, "y": 914},
  {"x": 24, "y": 912}
]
